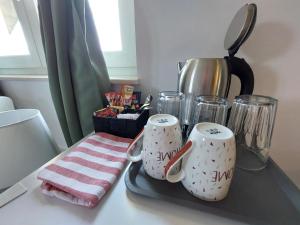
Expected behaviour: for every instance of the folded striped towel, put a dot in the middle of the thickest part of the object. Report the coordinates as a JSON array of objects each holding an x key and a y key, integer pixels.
[{"x": 88, "y": 171}]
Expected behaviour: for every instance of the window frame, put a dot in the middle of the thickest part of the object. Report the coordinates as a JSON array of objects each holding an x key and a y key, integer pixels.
[
  {"x": 121, "y": 66},
  {"x": 34, "y": 63},
  {"x": 123, "y": 63}
]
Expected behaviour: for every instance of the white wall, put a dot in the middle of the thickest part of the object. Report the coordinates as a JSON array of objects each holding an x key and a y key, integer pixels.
[{"x": 172, "y": 30}]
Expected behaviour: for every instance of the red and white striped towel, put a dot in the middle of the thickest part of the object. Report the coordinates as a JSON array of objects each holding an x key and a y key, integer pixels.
[{"x": 85, "y": 174}]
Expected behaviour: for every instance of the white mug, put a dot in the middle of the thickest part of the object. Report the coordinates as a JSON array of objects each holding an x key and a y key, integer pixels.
[
  {"x": 208, "y": 162},
  {"x": 162, "y": 140}
]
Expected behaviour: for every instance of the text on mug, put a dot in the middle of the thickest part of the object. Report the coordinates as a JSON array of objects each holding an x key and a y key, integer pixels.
[{"x": 218, "y": 175}]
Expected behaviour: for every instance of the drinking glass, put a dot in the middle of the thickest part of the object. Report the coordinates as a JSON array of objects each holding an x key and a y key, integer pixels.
[
  {"x": 252, "y": 120},
  {"x": 170, "y": 102},
  {"x": 208, "y": 108},
  {"x": 187, "y": 109}
]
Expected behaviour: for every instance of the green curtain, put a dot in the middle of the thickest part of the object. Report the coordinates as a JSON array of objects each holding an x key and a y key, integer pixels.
[{"x": 77, "y": 72}]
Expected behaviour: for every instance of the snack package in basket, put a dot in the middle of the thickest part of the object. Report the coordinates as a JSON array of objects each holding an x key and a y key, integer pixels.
[{"x": 126, "y": 93}]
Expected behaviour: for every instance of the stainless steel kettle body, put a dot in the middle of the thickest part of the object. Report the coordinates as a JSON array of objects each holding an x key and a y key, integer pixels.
[
  {"x": 212, "y": 76},
  {"x": 205, "y": 77}
]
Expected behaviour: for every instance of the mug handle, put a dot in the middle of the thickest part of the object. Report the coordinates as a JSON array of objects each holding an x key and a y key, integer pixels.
[
  {"x": 132, "y": 145},
  {"x": 177, "y": 157}
]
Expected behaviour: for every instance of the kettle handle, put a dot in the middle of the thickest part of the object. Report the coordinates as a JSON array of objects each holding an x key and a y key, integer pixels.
[{"x": 240, "y": 68}]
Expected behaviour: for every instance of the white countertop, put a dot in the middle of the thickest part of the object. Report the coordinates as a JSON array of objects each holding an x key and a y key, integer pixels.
[{"x": 118, "y": 207}]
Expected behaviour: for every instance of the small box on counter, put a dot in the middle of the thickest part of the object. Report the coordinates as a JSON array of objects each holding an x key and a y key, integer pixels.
[{"x": 127, "y": 128}]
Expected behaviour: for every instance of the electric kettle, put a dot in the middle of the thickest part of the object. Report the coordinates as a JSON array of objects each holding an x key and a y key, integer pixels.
[{"x": 212, "y": 76}]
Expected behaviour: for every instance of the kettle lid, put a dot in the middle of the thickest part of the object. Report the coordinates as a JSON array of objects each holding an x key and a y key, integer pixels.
[{"x": 240, "y": 28}]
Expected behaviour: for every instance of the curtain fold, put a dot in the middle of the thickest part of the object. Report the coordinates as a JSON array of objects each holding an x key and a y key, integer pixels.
[{"x": 77, "y": 72}]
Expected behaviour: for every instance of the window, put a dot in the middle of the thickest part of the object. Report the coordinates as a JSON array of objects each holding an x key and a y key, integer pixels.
[
  {"x": 12, "y": 39},
  {"x": 114, "y": 21},
  {"x": 21, "y": 49}
]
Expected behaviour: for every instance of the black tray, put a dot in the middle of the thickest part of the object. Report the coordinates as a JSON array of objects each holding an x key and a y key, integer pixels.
[{"x": 265, "y": 197}]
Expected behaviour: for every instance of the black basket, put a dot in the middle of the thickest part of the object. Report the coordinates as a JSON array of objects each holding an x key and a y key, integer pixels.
[{"x": 121, "y": 127}]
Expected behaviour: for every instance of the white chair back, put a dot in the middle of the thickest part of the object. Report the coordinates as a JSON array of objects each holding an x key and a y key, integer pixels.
[
  {"x": 26, "y": 144},
  {"x": 6, "y": 104}
]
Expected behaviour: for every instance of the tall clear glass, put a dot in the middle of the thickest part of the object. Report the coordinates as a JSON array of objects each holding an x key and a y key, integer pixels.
[
  {"x": 187, "y": 109},
  {"x": 252, "y": 120},
  {"x": 209, "y": 108},
  {"x": 170, "y": 102}
]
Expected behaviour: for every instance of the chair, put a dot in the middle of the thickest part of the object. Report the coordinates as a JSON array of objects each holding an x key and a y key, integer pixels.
[
  {"x": 6, "y": 104},
  {"x": 26, "y": 144}
]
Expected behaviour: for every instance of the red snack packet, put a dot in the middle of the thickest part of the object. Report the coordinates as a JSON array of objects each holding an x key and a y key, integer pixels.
[
  {"x": 107, "y": 112},
  {"x": 109, "y": 96},
  {"x": 126, "y": 93},
  {"x": 114, "y": 98}
]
